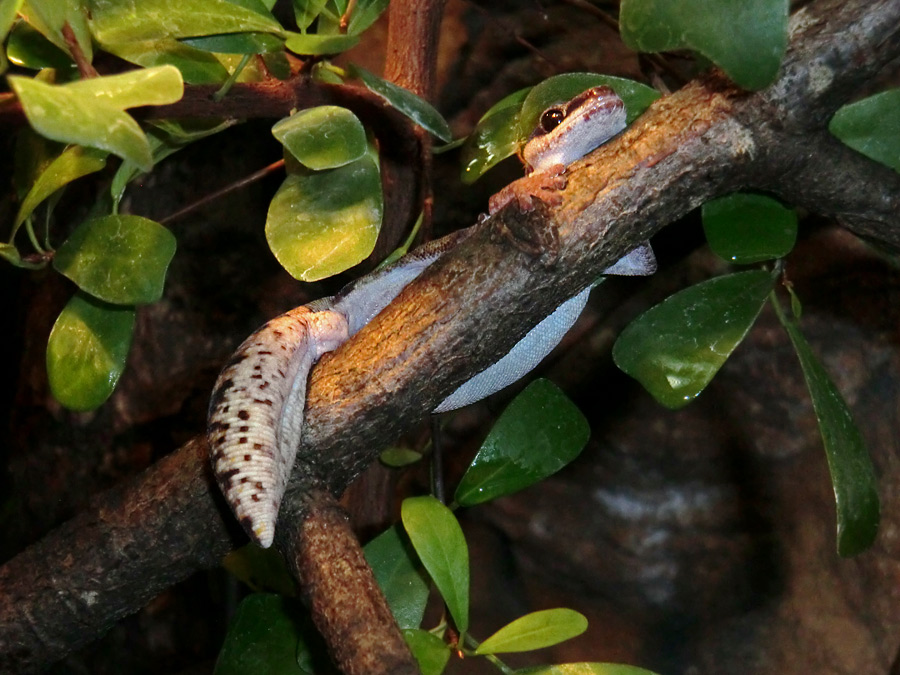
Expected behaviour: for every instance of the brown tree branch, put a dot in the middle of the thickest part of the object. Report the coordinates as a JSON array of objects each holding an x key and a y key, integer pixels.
[
  {"x": 346, "y": 603},
  {"x": 707, "y": 139}
]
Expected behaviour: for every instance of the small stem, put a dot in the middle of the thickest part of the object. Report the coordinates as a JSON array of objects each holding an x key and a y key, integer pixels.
[
  {"x": 84, "y": 66},
  {"x": 438, "y": 486},
  {"x": 243, "y": 182},
  {"x": 345, "y": 19},
  {"x": 219, "y": 95}
]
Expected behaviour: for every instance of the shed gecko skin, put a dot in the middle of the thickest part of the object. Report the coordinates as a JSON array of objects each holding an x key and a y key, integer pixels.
[{"x": 256, "y": 410}]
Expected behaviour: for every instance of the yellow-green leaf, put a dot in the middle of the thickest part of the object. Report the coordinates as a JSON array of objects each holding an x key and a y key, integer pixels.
[
  {"x": 73, "y": 163},
  {"x": 86, "y": 351},
  {"x": 322, "y": 223},
  {"x": 535, "y": 631},
  {"x": 324, "y": 137},
  {"x": 438, "y": 539},
  {"x": 121, "y": 259}
]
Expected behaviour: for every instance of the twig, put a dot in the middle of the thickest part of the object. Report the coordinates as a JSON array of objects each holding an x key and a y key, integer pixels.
[{"x": 213, "y": 196}]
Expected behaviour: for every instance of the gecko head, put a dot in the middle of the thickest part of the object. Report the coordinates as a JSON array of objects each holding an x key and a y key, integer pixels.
[{"x": 568, "y": 131}]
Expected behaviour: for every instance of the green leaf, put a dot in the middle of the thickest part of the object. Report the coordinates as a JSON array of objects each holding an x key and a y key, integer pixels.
[
  {"x": 322, "y": 223},
  {"x": 86, "y": 351},
  {"x": 872, "y": 127},
  {"x": 748, "y": 228},
  {"x": 117, "y": 22},
  {"x": 8, "y": 11},
  {"x": 148, "y": 86},
  {"x": 852, "y": 473},
  {"x": 535, "y": 631},
  {"x": 418, "y": 110},
  {"x": 237, "y": 43},
  {"x": 91, "y": 112},
  {"x": 195, "y": 66},
  {"x": 397, "y": 457},
  {"x": 430, "y": 652},
  {"x": 539, "y": 433},
  {"x": 399, "y": 576},
  {"x": 319, "y": 45},
  {"x": 585, "y": 669},
  {"x": 306, "y": 11},
  {"x": 49, "y": 17},
  {"x": 264, "y": 637},
  {"x": 28, "y": 48},
  {"x": 675, "y": 348},
  {"x": 438, "y": 539},
  {"x": 119, "y": 259},
  {"x": 325, "y": 137},
  {"x": 73, "y": 163},
  {"x": 495, "y": 137},
  {"x": 746, "y": 39},
  {"x": 262, "y": 569},
  {"x": 364, "y": 15}
]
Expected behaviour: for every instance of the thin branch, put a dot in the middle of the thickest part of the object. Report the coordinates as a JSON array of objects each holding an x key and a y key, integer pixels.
[
  {"x": 84, "y": 66},
  {"x": 213, "y": 196}
]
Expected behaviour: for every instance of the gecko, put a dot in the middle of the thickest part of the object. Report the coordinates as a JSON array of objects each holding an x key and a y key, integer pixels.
[{"x": 256, "y": 408}]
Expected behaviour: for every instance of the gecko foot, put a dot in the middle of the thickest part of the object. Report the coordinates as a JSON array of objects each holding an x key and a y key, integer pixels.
[{"x": 541, "y": 185}]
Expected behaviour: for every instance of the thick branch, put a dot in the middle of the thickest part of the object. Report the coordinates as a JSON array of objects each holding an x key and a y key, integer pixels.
[
  {"x": 135, "y": 541},
  {"x": 346, "y": 603}
]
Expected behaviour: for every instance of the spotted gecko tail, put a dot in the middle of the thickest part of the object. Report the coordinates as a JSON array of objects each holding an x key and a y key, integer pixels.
[{"x": 256, "y": 414}]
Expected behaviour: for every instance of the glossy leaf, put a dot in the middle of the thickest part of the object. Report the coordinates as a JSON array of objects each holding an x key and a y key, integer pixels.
[
  {"x": 91, "y": 112},
  {"x": 430, "y": 652},
  {"x": 322, "y": 223},
  {"x": 237, "y": 43},
  {"x": 749, "y": 228},
  {"x": 117, "y": 22},
  {"x": 439, "y": 542},
  {"x": 49, "y": 17},
  {"x": 852, "y": 474},
  {"x": 417, "y": 109},
  {"x": 73, "y": 163},
  {"x": 149, "y": 86},
  {"x": 495, "y": 137},
  {"x": 325, "y": 137},
  {"x": 539, "y": 433},
  {"x": 319, "y": 45},
  {"x": 872, "y": 127},
  {"x": 195, "y": 66},
  {"x": 86, "y": 351},
  {"x": 8, "y": 11},
  {"x": 675, "y": 348},
  {"x": 262, "y": 569},
  {"x": 535, "y": 631},
  {"x": 263, "y": 637},
  {"x": 399, "y": 576},
  {"x": 585, "y": 669},
  {"x": 364, "y": 15},
  {"x": 306, "y": 11},
  {"x": 120, "y": 259},
  {"x": 26, "y": 47},
  {"x": 746, "y": 39}
]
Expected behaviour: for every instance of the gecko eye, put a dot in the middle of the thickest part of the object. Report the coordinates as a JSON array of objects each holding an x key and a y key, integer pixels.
[{"x": 551, "y": 118}]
